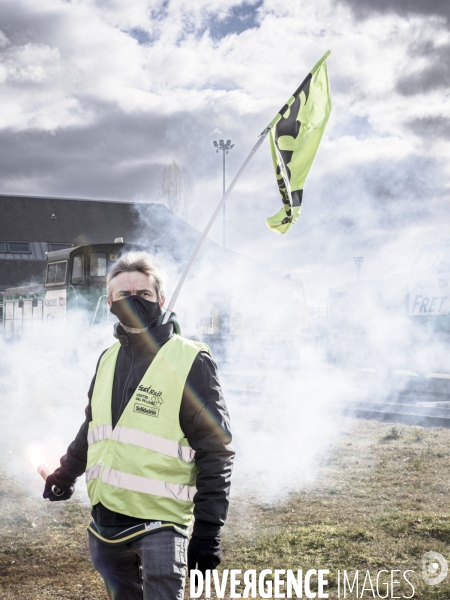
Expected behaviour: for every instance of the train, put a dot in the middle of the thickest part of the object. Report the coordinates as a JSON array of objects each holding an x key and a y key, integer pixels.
[
  {"x": 75, "y": 281},
  {"x": 74, "y": 286},
  {"x": 402, "y": 322},
  {"x": 264, "y": 319}
]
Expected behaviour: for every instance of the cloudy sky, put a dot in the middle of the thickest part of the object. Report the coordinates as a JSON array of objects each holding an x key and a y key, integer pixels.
[{"x": 98, "y": 95}]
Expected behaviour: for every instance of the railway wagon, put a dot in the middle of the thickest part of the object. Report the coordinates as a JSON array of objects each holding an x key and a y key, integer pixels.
[
  {"x": 398, "y": 323},
  {"x": 75, "y": 282},
  {"x": 264, "y": 317},
  {"x": 247, "y": 317}
]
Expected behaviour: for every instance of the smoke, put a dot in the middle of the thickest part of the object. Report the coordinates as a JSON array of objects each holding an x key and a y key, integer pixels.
[
  {"x": 44, "y": 379},
  {"x": 286, "y": 366},
  {"x": 281, "y": 389}
]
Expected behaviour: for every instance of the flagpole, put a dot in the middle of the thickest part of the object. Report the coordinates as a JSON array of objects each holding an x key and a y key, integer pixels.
[{"x": 187, "y": 268}]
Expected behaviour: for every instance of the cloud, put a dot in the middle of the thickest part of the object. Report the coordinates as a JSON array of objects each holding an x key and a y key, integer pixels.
[
  {"x": 98, "y": 96},
  {"x": 31, "y": 63},
  {"x": 115, "y": 154},
  {"x": 141, "y": 36},
  {"x": 435, "y": 75},
  {"x": 238, "y": 18},
  {"x": 431, "y": 127},
  {"x": 365, "y": 8}
]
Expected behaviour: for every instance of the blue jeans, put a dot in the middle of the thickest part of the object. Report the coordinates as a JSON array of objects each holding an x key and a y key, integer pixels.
[{"x": 152, "y": 567}]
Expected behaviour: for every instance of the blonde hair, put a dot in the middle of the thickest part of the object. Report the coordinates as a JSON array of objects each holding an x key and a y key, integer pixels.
[{"x": 143, "y": 263}]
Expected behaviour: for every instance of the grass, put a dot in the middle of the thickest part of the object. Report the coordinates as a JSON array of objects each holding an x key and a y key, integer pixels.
[
  {"x": 395, "y": 433},
  {"x": 380, "y": 501},
  {"x": 43, "y": 548}
]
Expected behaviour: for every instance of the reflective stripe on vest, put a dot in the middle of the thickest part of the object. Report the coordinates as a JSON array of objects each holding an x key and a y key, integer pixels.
[
  {"x": 141, "y": 439},
  {"x": 136, "y": 483},
  {"x": 144, "y": 467},
  {"x": 93, "y": 472},
  {"x": 99, "y": 433}
]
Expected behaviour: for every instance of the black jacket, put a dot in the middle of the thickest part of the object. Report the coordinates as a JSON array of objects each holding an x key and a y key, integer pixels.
[{"x": 203, "y": 419}]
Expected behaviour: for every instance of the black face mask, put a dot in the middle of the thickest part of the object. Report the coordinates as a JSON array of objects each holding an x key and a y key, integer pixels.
[{"x": 134, "y": 311}]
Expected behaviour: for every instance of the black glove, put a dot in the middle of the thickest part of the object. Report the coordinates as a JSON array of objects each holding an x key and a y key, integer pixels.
[
  {"x": 204, "y": 552},
  {"x": 55, "y": 490}
]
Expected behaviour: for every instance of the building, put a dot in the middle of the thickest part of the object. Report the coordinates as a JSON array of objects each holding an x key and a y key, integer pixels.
[
  {"x": 227, "y": 295},
  {"x": 30, "y": 226}
]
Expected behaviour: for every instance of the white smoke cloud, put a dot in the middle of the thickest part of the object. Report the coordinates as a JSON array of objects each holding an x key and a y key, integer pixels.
[
  {"x": 97, "y": 97},
  {"x": 44, "y": 379}
]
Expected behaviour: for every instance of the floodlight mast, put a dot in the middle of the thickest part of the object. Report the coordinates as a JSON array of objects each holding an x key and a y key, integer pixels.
[
  {"x": 225, "y": 149},
  {"x": 358, "y": 262},
  {"x": 253, "y": 151}
]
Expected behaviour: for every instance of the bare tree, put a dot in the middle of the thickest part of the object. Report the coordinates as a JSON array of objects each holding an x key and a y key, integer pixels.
[{"x": 177, "y": 190}]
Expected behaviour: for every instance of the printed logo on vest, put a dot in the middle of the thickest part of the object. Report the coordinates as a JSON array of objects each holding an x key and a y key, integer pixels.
[
  {"x": 149, "y": 396},
  {"x": 146, "y": 410}
]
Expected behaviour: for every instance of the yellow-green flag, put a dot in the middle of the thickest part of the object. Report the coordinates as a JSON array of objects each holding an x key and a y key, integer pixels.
[{"x": 295, "y": 134}]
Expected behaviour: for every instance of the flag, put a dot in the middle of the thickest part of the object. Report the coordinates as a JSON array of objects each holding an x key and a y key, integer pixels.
[{"x": 295, "y": 134}]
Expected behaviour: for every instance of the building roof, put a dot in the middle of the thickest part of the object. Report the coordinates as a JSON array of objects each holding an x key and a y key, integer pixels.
[
  {"x": 81, "y": 221},
  {"x": 41, "y": 221}
]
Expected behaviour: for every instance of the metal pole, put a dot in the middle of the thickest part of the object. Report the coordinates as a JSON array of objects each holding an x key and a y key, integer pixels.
[
  {"x": 358, "y": 261},
  {"x": 223, "y": 194},
  {"x": 93, "y": 320},
  {"x": 210, "y": 224}
]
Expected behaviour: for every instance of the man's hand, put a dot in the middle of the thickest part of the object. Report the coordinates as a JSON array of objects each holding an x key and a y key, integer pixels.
[
  {"x": 204, "y": 551},
  {"x": 204, "y": 554},
  {"x": 55, "y": 490}
]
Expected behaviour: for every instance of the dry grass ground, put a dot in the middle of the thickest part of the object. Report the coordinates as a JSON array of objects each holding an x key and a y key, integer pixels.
[{"x": 380, "y": 501}]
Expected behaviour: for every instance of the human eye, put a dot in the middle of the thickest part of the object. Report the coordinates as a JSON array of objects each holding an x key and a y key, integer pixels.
[{"x": 146, "y": 294}]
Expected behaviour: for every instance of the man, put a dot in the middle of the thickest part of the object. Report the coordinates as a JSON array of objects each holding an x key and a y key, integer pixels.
[{"x": 154, "y": 446}]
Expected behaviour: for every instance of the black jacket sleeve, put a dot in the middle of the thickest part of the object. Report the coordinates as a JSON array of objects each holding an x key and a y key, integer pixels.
[
  {"x": 73, "y": 463},
  {"x": 205, "y": 422}
]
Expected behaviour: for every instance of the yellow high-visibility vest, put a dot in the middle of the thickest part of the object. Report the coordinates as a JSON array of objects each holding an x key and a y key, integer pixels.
[{"x": 144, "y": 467}]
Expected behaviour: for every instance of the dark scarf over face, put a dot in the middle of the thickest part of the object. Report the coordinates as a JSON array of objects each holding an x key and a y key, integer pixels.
[{"x": 135, "y": 312}]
